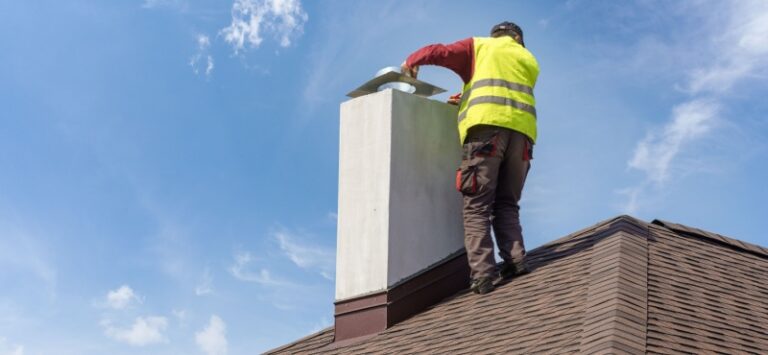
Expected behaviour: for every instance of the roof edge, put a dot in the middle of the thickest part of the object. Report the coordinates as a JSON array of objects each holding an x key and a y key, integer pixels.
[
  {"x": 605, "y": 224},
  {"x": 713, "y": 237},
  {"x": 298, "y": 341}
]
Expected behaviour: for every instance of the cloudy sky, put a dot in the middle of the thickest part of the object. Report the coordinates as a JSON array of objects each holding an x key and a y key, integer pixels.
[{"x": 168, "y": 168}]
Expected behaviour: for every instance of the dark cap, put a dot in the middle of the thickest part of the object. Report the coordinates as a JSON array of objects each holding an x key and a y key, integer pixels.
[{"x": 507, "y": 26}]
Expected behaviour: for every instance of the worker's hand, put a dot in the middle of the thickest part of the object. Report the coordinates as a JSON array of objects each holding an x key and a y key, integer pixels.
[
  {"x": 412, "y": 72},
  {"x": 454, "y": 99}
]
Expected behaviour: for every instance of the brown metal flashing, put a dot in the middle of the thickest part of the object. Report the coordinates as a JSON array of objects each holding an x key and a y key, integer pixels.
[
  {"x": 371, "y": 320},
  {"x": 442, "y": 269},
  {"x": 362, "y": 303},
  {"x": 371, "y": 314},
  {"x": 427, "y": 289}
]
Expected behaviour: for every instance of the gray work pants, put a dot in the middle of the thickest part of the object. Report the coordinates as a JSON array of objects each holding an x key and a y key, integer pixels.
[{"x": 493, "y": 169}]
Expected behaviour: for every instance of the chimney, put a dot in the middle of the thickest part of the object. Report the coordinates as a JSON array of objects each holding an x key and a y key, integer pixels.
[{"x": 400, "y": 244}]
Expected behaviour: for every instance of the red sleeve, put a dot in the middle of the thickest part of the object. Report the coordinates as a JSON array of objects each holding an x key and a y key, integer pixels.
[{"x": 458, "y": 56}]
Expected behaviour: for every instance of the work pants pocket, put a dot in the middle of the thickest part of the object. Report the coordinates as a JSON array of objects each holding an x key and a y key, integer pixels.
[
  {"x": 476, "y": 151},
  {"x": 527, "y": 150},
  {"x": 466, "y": 179}
]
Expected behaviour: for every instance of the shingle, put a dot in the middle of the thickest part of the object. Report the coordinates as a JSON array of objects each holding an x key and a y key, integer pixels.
[
  {"x": 621, "y": 286},
  {"x": 702, "y": 295}
]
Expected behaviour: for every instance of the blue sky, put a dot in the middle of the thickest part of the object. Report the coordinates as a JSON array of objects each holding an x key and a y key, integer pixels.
[{"x": 168, "y": 168}]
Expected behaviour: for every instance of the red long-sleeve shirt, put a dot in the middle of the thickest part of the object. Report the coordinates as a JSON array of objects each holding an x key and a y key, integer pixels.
[{"x": 458, "y": 56}]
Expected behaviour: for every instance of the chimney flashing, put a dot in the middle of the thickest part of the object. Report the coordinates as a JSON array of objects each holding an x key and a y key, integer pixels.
[{"x": 373, "y": 313}]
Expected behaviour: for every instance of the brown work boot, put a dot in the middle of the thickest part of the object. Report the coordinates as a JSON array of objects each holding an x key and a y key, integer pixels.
[
  {"x": 482, "y": 285},
  {"x": 509, "y": 270}
]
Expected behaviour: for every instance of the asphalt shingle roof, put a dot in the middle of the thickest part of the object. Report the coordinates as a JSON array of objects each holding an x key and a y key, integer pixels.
[{"x": 623, "y": 285}]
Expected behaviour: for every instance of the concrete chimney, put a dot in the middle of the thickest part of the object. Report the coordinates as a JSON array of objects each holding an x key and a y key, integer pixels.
[{"x": 400, "y": 242}]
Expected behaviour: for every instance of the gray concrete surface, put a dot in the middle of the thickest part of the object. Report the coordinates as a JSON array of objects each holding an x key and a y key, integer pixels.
[{"x": 398, "y": 210}]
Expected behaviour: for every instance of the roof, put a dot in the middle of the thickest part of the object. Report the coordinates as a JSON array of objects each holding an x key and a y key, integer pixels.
[{"x": 621, "y": 285}]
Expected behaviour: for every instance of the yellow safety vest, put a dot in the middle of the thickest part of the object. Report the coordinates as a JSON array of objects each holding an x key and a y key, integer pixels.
[{"x": 501, "y": 90}]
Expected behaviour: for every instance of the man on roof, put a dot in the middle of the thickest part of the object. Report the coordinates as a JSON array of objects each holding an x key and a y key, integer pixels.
[{"x": 497, "y": 128}]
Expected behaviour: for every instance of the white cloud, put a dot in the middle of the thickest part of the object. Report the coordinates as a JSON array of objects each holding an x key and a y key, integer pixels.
[
  {"x": 310, "y": 257},
  {"x": 213, "y": 340},
  {"x": 738, "y": 51},
  {"x": 632, "y": 203},
  {"x": 180, "y": 314},
  {"x": 206, "y": 283},
  {"x": 122, "y": 297},
  {"x": 240, "y": 270},
  {"x": 203, "y": 42},
  {"x": 144, "y": 331},
  {"x": 654, "y": 154},
  {"x": 250, "y": 18},
  {"x": 208, "y": 65},
  {"x": 8, "y": 349},
  {"x": 202, "y": 61}
]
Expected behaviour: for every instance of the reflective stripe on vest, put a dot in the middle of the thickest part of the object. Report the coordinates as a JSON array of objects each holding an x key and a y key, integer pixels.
[
  {"x": 496, "y": 99},
  {"x": 500, "y": 101},
  {"x": 500, "y": 92},
  {"x": 503, "y": 83}
]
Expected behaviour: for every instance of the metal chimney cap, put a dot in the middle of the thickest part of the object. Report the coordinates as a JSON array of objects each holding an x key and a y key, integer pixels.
[
  {"x": 393, "y": 75},
  {"x": 385, "y": 70}
]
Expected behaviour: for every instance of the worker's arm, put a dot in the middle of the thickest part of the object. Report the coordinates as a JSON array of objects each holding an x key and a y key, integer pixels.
[{"x": 458, "y": 56}]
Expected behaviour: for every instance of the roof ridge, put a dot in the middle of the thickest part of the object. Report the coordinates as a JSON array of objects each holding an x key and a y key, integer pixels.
[
  {"x": 616, "y": 311},
  {"x": 591, "y": 230},
  {"x": 713, "y": 237}
]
